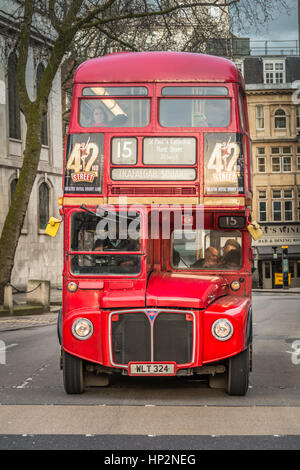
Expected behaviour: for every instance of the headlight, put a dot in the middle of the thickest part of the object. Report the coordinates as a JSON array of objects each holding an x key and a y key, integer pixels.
[
  {"x": 82, "y": 328},
  {"x": 72, "y": 287},
  {"x": 222, "y": 329},
  {"x": 235, "y": 285}
]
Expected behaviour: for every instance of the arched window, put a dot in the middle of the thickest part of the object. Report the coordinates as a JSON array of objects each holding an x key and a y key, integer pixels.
[
  {"x": 12, "y": 188},
  {"x": 13, "y": 101},
  {"x": 44, "y": 135},
  {"x": 280, "y": 119},
  {"x": 44, "y": 199}
]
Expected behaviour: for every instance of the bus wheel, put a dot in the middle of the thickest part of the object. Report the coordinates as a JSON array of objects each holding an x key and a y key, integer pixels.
[
  {"x": 72, "y": 373},
  {"x": 238, "y": 373}
]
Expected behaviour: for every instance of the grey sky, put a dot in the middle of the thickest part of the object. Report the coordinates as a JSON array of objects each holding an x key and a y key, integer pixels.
[{"x": 284, "y": 26}]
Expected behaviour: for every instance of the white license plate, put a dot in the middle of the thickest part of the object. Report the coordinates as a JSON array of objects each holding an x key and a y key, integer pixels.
[{"x": 146, "y": 368}]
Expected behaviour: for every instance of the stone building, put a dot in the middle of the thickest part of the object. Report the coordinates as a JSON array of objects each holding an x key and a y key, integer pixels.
[
  {"x": 38, "y": 256},
  {"x": 274, "y": 117}
]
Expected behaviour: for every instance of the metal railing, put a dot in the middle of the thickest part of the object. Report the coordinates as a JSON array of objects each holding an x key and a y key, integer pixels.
[
  {"x": 270, "y": 47},
  {"x": 242, "y": 47}
]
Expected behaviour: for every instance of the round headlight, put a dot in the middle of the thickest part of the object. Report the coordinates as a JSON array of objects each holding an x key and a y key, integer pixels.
[
  {"x": 222, "y": 329},
  {"x": 72, "y": 286},
  {"x": 82, "y": 328},
  {"x": 235, "y": 285}
]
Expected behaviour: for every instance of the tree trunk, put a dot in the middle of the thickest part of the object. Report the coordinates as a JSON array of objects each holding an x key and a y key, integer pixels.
[{"x": 16, "y": 214}]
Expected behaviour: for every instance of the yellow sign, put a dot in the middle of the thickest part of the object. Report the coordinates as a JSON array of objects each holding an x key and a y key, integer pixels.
[
  {"x": 279, "y": 279},
  {"x": 255, "y": 230},
  {"x": 53, "y": 226}
]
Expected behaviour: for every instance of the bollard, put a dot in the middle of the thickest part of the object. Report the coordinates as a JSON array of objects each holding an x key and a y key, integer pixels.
[
  {"x": 8, "y": 299},
  {"x": 38, "y": 293}
]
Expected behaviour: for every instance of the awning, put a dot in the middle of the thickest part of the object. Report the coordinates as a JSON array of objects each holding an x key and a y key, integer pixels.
[{"x": 267, "y": 252}]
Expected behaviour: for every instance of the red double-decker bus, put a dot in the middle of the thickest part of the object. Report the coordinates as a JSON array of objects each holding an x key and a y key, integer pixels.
[{"x": 156, "y": 206}]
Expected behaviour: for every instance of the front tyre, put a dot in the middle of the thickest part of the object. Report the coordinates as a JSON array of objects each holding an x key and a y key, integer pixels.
[
  {"x": 238, "y": 373},
  {"x": 72, "y": 373}
]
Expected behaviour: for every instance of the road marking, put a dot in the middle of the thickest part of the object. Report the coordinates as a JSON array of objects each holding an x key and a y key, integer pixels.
[
  {"x": 8, "y": 346},
  {"x": 24, "y": 384}
]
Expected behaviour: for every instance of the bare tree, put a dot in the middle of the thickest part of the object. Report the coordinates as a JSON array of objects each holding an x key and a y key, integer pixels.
[{"x": 58, "y": 24}]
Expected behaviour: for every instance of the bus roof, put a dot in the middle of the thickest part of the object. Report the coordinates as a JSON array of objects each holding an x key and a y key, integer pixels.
[{"x": 138, "y": 67}]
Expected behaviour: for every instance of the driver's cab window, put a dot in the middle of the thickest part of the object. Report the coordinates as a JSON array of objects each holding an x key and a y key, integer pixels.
[
  {"x": 111, "y": 233},
  {"x": 206, "y": 249}
]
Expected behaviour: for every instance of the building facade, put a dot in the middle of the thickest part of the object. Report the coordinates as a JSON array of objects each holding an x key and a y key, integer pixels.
[
  {"x": 38, "y": 256},
  {"x": 274, "y": 117}
]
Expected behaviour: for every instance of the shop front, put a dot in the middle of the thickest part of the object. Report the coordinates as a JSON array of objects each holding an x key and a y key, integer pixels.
[{"x": 277, "y": 256}]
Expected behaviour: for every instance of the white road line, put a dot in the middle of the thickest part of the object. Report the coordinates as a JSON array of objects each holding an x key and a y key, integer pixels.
[{"x": 8, "y": 346}]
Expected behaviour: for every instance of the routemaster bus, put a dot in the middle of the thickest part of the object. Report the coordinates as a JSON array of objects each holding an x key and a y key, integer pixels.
[{"x": 156, "y": 208}]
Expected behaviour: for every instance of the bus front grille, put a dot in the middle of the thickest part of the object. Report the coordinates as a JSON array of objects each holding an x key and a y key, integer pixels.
[{"x": 152, "y": 335}]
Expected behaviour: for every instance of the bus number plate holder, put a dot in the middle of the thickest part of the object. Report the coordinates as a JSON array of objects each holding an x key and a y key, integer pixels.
[{"x": 151, "y": 368}]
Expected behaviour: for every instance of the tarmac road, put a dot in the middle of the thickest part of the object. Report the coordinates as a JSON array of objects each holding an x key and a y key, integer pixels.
[{"x": 145, "y": 413}]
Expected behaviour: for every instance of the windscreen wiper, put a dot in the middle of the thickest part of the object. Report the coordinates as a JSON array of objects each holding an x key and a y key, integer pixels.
[{"x": 106, "y": 213}]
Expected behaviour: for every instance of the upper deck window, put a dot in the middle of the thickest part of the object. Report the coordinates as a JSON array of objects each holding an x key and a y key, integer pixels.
[
  {"x": 111, "y": 112},
  {"x": 115, "y": 91},
  {"x": 194, "y": 112},
  {"x": 194, "y": 91}
]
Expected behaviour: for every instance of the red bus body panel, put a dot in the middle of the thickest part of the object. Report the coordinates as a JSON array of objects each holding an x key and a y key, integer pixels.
[{"x": 138, "y": 67}]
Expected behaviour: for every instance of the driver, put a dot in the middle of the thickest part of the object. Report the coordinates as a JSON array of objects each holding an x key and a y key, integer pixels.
[{"x": 118, "y": 244}]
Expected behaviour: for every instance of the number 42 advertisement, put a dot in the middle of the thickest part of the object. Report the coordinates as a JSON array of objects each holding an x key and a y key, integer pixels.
[
  {"x": 84, "y": 163},
  {"x": 223, "y": 163}
]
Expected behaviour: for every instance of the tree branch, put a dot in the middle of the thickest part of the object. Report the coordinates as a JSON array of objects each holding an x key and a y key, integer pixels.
[{"x": 86, "y": 22}]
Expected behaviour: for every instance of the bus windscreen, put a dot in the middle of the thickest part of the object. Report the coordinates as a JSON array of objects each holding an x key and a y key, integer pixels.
[{"x": 105, "y": 242}]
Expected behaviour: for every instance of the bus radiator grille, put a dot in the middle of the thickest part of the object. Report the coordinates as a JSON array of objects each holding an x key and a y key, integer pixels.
[
  {"x": 168, "y": 337},
  {"x": 131, "y": 338}
]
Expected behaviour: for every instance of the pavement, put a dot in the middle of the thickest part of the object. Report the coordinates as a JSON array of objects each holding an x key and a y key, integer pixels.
[
  {"x": 290, "y": 290},
  {"x": 20, "y": 321}
]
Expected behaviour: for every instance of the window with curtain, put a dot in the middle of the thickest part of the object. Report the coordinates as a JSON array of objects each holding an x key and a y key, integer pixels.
[
  {"x": 44, "y": 135},
  {"x": 260, "y": 120},
  {"x": 13, "y": 101},
  {"x": 44, "y": 200}
]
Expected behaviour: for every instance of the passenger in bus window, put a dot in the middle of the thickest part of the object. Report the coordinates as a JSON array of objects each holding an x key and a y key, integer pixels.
[
  {"x": 231, "y": 254},
  {"x": 231, "y": 244},
  {"x": 232, "y": 259},
  {"x": 211, "y": 259},
  {"x": 99, "y": 118}
]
